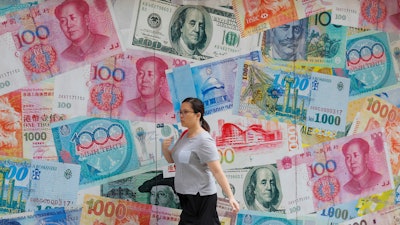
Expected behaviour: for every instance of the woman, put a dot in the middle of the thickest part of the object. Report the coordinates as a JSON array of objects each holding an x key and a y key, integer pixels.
[{"x": 197, "y": 161}]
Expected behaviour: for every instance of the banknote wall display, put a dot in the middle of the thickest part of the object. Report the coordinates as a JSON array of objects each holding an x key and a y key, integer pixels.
[{"x": 302, "y": 99}]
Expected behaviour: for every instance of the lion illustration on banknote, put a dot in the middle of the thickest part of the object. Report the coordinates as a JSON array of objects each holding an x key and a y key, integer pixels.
[{"x": 10, "y": 123}]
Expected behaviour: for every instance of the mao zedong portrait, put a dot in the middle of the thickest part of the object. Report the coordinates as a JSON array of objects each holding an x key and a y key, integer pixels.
[
  {"x": 162, "y": 191},
  {"x": 287, "y": 42},
  {"x": 73, "y": 16},
  {"x": 189, "y": 32},
  {"x": 356, "y": 153},
  {"x": 263, "y": 190},
  {"x": 150, "y": 79}
]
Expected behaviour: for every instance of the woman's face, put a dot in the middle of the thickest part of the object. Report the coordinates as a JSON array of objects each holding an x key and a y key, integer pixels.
[{"x": 187, "y": 115}]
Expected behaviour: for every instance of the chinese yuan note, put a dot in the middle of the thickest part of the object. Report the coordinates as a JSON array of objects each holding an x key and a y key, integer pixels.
[
  {"x": 336, "y": 172},
  {"x": 44, "y": 42}
]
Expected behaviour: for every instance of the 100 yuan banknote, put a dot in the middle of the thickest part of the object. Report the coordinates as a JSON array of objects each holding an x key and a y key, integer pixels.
[
  {"x": 271, "y": 140},
  {"x": 212, "y": 81},
  {"x": 132, "y": 86},
  {"x": 43, "y": 41},
  {"x": 211, "y": 32},
  {"x": 314, "y": 41},
  {"x": 301, "y": 97},
  {"x": 328, "y": 174},
  {"x": 368, "y": 14}
]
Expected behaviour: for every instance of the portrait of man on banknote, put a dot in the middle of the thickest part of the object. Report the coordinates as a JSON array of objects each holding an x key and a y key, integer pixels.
[
  {"x": 150, "y": 79},
  {"x": 162, "y": 191},
  {"x": 356, "y": 153},
  {"x": 288, "y": 41},
  {"x": 262, "y": 191},
  {"x": 73, "y": 17},
  {"x": 10, "y": 123},
  {"x": 190, "y": 31}
]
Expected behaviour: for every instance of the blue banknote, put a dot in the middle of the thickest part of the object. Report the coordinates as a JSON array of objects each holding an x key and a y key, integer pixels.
[
  {"x": 59, "y": 216},
  {"x": 337, "y": 214},
  {"x": 8, "y": 6},
  {"x": 368, "y": 63},
  {"x": 212, "y": 81},
  {"x": 29, "y": 185},
  {"x": 103, "y": 147},
  {"x": 248, "y": 217}
]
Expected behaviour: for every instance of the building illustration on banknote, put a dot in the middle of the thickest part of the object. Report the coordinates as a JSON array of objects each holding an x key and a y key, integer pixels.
[
  {"x": 255, "y": 134},
  {"x": 10, "y": 204}
]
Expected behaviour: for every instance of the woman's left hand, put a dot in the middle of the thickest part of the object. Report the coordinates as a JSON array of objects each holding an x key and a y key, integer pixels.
[{"x": 235, "y": 205}]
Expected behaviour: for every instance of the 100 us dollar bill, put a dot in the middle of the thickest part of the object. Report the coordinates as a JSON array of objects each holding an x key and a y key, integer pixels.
[{"x": 164, "y": 27}]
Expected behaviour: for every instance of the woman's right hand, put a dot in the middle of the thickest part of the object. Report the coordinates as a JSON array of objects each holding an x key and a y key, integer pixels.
[{"x": 166, "y": 143}]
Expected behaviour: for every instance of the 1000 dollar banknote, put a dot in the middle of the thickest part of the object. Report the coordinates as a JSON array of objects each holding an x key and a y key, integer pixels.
[
  {"x": 276, "y": 92},
  {"x": 211, "y": 32},
  {"x": 110, "y": 149},
  {"x": 329, "y": 173},
  {"x": 41, "y": 43}
]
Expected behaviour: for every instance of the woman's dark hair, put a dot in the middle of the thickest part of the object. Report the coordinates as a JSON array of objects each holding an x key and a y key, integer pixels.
[{"x": 198, "y": 107}]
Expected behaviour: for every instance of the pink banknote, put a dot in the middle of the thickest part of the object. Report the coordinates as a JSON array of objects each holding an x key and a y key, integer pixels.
[
  {"x": 368, "y": 14},
  {"x": 56, "y": 36},
  {"x": 132, "y": 86},
  {"x": 336, "y": 172}
]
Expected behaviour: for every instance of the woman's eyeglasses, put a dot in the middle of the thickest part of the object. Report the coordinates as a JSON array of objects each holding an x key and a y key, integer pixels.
[{"x": 185, "y": 112}]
